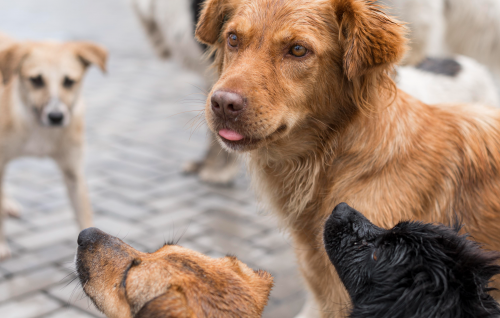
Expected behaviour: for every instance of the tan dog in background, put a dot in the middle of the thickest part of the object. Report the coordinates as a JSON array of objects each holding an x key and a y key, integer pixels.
[
  {"x": 305, "y": 89},
  {"x": 42, "y": 113},
  {"x": 172, "y": 282}
]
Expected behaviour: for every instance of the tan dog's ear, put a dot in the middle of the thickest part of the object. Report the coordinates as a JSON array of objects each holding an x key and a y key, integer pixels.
[
  {"x": 91, "y": 53},
  {"x": 368, "y": 36},
  {"x": 10, "y": 60},
  {"x": 171, "y": 304},
  {"x": 212, "y": 18}
]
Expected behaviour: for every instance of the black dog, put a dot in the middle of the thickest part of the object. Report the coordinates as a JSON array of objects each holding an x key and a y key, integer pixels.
[{"x": 413, "y": 270}]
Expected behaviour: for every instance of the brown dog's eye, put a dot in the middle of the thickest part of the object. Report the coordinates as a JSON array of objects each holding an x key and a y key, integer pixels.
[
  {"x": 68, "y": 82},
  {"x": 233, "y": 40},
  {"x": 298, "y": 51},
  {"x": 37, "y": 81}
]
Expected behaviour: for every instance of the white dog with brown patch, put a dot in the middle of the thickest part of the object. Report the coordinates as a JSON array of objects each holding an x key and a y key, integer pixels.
[{"x": 42, "y": 114}]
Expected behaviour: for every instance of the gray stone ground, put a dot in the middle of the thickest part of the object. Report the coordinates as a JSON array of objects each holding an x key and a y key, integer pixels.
[{"x": 141, "y": 119}]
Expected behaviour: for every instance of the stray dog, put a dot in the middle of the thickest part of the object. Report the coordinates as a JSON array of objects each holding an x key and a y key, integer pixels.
[
  {"x": 305, "y": 90},
  {"x": 42, "y": 113},
  {"x": 172, "y": 282},
  {"x": 169, "y": 25},
  {"x": 441, "y": 27},
  {"x": 411, "y": 270},
  {"x": 457, "y": 80}
]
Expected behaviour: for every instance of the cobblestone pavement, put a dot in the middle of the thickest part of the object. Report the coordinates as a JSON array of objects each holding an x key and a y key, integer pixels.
[{"x": 141, "y": 118}]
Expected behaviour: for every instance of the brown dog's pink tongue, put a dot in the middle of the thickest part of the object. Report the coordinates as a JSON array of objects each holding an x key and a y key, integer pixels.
[{"x": 230, "y": 135}]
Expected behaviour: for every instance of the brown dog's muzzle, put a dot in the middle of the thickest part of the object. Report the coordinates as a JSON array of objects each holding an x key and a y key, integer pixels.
[
  {"x": 227, "y": 105},
  {"x": 96, "y": 250}
]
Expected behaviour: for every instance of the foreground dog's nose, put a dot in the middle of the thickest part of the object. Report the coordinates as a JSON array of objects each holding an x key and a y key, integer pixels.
[
  {"x": 343, "y": 212},
  {"x": 55, "y": 118},
  {"x": 227, "y": 104},
  {"x": 87, "y": 236}
]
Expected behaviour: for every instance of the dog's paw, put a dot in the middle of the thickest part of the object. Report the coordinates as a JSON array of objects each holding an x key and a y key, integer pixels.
[
  {"x": 11, "y": 208},
  {"x": 223, "y": 177},
  {"x": 192, "y": 167},
  {"x": 4, "y": 251}
]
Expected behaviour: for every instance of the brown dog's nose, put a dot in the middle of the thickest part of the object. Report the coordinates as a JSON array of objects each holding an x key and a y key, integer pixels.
[
  {"x": 227, "y": 104},
  {"x": 89, "y": 236}
]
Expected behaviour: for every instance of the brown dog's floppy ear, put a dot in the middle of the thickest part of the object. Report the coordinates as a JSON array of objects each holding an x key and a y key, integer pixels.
[
  {"x": 212, "y": 18},
  {"x": 368, "y": 36},
  {"x": 91, "y": 53},
  {"x": 10, "y": 60},
  {"x": 171, "y": 304}
]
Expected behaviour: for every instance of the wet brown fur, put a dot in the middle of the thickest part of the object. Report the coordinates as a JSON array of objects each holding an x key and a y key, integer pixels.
[
  {"x": 172, "y": 282},
  {"x": 331, "y": 127}
]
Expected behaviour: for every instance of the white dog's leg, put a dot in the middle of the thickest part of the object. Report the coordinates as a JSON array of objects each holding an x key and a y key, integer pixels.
[
  {"x": 10, "y": 207},
  {"x": 4, "y": 247},
  {"x": 310, "y": 308},
  {"x": 219, "y": 166},
  {"x": 77, "y": 189}
]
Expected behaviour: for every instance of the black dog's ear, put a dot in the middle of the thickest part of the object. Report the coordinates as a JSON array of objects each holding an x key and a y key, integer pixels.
[
  {"x": 212, "y": 18},
  {"x": 171, "y": 304}
]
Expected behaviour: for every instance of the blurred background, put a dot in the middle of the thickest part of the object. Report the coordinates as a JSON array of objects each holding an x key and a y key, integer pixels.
[{"x": 142, "y": 126}]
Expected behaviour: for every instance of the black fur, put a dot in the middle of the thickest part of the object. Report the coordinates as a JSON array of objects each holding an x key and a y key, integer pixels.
[
  {"x": 447, "y": 67},
  {"x": 413, "y": 270},
  {"x": 196, "y": 6}
]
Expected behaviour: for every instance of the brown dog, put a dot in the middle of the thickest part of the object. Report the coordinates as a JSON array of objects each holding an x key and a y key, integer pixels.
[
  {"x": 305, "y": 88},
  {"x": 172, "y": 282},
  {"x": 42, "y": 113}
]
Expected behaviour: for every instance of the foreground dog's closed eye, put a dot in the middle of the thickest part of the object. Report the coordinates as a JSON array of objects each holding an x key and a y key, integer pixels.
[
  {"x": 172, "y": 282},
  {"x": 411, "y": 270}
]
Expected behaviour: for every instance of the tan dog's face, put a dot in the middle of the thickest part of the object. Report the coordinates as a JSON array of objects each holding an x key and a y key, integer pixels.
[
  {"x": 50, "y": 76},
  {"x": 284, "y": 63},
  {"x": 171, "y": 282}
]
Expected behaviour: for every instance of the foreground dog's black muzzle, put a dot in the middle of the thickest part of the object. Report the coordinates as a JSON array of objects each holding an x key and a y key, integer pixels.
[{"x": 345, "y": 228}]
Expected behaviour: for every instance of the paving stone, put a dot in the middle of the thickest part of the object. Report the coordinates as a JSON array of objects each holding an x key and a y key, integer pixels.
[
  {"x": 172, "y": 216},
  {"x": 121, "y": 208},
  {"x": 33, "y": 306},
  {"x": 118, "y": 227},
  {"x": 52, "y": 218},
  {"x": 65, "y": 231},
  {"x": 15, "y": 226},
  {"x": 273, "y": 240},
  {"x": 36, "y": 280},
  {"x": 69, "y": 313},
  {"x": 285, "y": 309},
  {"x": 38, "y": 257}
]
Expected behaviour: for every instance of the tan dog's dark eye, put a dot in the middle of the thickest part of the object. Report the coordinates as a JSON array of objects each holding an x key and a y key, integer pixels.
[
  {"x": 233, "y": 40},
  {"x": 68, "y": 82},
  {"x": 37, "y": 81},
  {"x": 298, "y": 51}
]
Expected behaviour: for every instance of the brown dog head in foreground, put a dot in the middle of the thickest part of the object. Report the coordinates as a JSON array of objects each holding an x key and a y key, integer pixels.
[
  {"x": 50, "y": 76},
  {"x": 171, "y": 282},
  {"x": 278, "y": 58}
]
